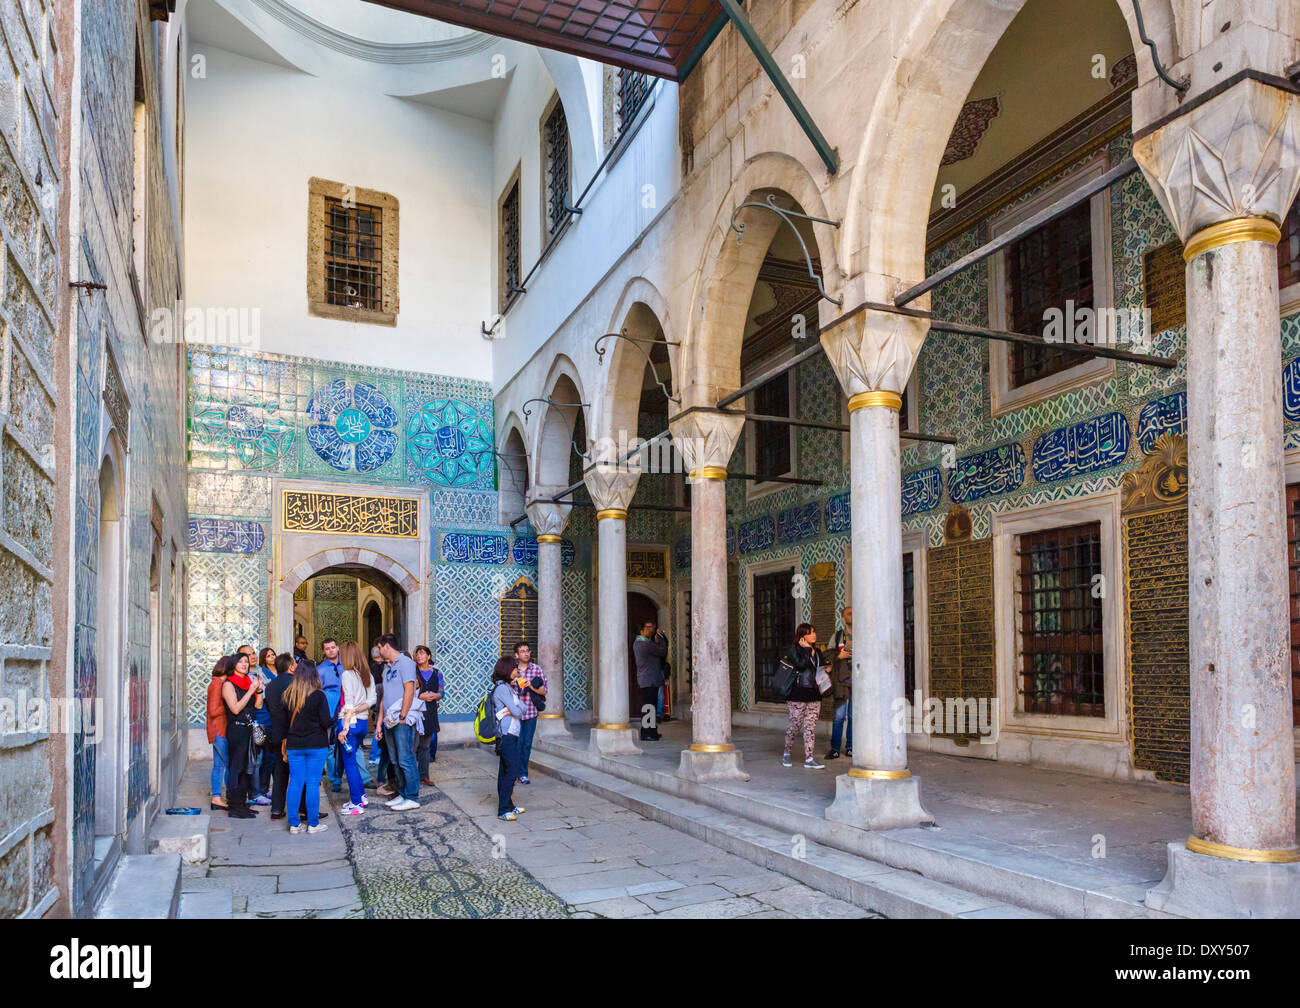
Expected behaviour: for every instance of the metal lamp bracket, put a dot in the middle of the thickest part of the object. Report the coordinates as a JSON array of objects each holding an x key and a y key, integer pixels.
[
  {"x": 788, "y": 217},
  {"x": 601, "y": 350}
]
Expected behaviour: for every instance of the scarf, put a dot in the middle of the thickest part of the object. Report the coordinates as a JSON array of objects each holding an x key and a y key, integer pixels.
[{"x": 240, "y": 681}]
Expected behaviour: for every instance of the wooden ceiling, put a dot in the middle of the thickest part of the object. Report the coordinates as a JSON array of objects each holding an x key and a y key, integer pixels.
[{"x": 659, "y": 37}]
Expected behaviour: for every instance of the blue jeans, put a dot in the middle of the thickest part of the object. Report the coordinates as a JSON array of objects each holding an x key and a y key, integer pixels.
[
  {"x": 527, "y": 729},
  {"x": 843, "y": 716},
  {"x": 356, "y": 786},
  {"x": 659, "y": 704},
  {"x": 507, "y": 772},
  {"x": 218, "y": 765},
  {"x": 305, "y": 766},
  {"x": 401, "y": 741}
]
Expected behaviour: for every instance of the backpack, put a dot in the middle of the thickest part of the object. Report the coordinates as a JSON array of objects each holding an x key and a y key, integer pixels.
[{"x": 485, "y": 719}]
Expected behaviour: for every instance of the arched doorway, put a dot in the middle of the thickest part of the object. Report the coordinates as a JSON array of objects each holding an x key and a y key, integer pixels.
[
  {"x": 350, "y": 602},
  {"x": 640, "y": 610},
  {"x": 108, "y": 657}
]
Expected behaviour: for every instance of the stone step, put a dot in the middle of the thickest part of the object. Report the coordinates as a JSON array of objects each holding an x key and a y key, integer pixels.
[
  {"x": 144, "y": 887},
  {"x": 181, "y": 834},
  {"x": 1038, "y": 882},
  {"x": 892, "y": 892},
  {"x": 211, "y": 904}
]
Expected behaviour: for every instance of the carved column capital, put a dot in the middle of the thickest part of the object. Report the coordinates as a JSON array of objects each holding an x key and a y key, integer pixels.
[
  {"x": 875, "y": 351},
  {"x": 707, "y": 438},
  {"x": 611, "y": 486},
  {"x": 1236, "y": 156},
  {"x": 547, "y": 517}
]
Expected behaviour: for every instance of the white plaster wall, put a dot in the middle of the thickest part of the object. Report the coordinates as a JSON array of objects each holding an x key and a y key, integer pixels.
[{"x": 256, "y": 133}]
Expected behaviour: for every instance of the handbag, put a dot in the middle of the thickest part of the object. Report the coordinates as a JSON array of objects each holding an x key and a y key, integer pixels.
[
  {"x": 259, "y": 734},
  {"x": 784, "y": 679}
]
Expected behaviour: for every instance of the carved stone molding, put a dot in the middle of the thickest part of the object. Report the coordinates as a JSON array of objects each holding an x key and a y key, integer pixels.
[
  {"x": 875, "y": 351},
  {"x": 1161, "y": 480},
  {"x": 547, "y": 518},
  {"x": 1238, "y": 155},
  {"x": 969, "y": 129}
]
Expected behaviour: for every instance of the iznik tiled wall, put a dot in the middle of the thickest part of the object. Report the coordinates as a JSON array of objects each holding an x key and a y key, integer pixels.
[{"x": 253, "y": 416}]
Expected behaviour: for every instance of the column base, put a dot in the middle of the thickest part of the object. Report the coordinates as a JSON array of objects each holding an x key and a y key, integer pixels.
[
  {"x": 613, "y": 742},
  {"x": 552, "y": 727},
  {"x": 1201, "y": 885},
  {"x": 708, "y": 767},
  {"x": 877, "y": 804}
]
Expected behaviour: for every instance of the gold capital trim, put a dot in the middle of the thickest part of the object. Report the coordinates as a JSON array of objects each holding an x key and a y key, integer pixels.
[
  {"x": 550, "y": 715},
  {"x": 709, "y": 472},
  {"x": 880, "y": 397},
  {"x": 1198, "y": 846},
  {"x": 1240, "y": 229},
  {"x": 615, "y": 727},
  {"x": 548, "y": 538},
  {"x": 879, "y": 774},
  {"x": 713, "y": 748},
  {"x": 619, "y": 513}
]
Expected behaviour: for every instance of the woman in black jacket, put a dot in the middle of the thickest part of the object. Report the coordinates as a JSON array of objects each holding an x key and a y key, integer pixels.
[
  {"x": 805, "y": 700},
  {"x": 306, "y": 744}
]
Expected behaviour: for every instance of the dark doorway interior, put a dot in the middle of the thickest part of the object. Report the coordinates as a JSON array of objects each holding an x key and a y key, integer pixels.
[
  {"x": 773, "y": 629},
  {"x": 639, "y": 609}
]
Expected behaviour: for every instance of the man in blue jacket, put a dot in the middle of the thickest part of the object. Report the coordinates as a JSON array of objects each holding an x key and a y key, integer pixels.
[{"x": 331, "y": 681}]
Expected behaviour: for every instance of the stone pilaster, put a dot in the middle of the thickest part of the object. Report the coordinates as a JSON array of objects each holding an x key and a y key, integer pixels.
[
  {"x": 548, "y": 521},
  {"x": 873, "y": 354},
  {"x": 611, "y": 486},
  {"x": 706, "y": 440},
  {"x": 1226, "y": 174}
]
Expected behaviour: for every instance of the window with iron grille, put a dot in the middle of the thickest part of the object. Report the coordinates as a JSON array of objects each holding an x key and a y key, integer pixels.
[
  {"x": 774, "y": 626},
  {"x": 1293, "y": 579},
  {"x": 353, "y": 259},
  {"x": 1061, "y": 644},
  {"x": 1046, "y": 268},
  {"x": 555, "y": 140},
  {"x": 510, "y": 271},
  {"x": 772, "y": 454},
  {"x": 1288, "y": 249},
  {"x": 909, "y": 628},
  {"x": 633, "y": 90}
]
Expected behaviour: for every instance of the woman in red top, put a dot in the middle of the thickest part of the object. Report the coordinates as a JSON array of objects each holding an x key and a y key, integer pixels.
[{"x": 217, "y": 729}]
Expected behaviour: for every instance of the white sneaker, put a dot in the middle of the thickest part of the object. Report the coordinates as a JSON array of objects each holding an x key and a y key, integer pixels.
[
  {"x": 406, "y": 805},
  {"x": 394, "y": 802},
  {"x": 297, "y": 829},
  {"x": 351, "y": 809},
  {"x": 318, "y": 829},
  {"x": 811, "y": 764},
  {"x": 364, "y": 801}
]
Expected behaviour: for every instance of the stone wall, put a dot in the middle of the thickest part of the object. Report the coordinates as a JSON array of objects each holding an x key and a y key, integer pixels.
[{"x": 30, "y": 189}]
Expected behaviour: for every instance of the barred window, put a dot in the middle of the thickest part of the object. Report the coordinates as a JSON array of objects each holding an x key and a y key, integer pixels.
[
  {"x": 1047, "y": 267},
  {"x": 1293, "y": 579},
  {"x": 633, "y": 90},
  {"x": 510, "y": 268},
  {"x": 1061, "y": 640},
  {"x": 909, "y": 628},
  {"x": 1288, "y": 249},
  {"x": 774, "y": 623},
  {"x": 353, "y": 263},
  {"x": 555, "y": 139}
]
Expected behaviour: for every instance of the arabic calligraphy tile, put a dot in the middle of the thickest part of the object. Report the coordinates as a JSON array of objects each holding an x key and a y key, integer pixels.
[
  {"x": 1291, "y": 390},
  {"x": 839, "y": 513},
  {"x": 922, "y": 490},
  {"x": 1161, "y": 416},
  {"x": 223, "y": 535},
  {"x": 987, "y": 473},
  {"x": 1084, "y": 447},
  {"x": 731, "y": 540},
  {"x": 799, "y": 523},
  {"x": 474, "y": 548},
  {"x": 756, "y": 535},
  {"x": 349, "y": 426},
  {"x": 449, "y": 442}
]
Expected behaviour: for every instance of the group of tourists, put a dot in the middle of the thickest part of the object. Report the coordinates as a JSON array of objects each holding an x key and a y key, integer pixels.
[
  {"x": 276, "y": 722},
  {"x": 805, "y": 675}
]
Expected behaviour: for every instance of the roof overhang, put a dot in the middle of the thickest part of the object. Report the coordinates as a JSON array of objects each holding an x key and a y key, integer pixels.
[{"x": 664, "y": 38}]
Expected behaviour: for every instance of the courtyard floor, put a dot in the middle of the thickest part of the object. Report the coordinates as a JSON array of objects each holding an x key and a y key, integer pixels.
[{"x": 571, "y": 854}]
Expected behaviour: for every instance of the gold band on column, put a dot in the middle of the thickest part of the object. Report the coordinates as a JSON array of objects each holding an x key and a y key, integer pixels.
[
  {"x": 550, "y": 715},
  {"x": 879, "y": 774},
  {"x": 1198, "y": 846},
  {"x": 1240, "y": 229},
  {"x": 709, "y": 472},
  {"x": 619, "y": 513},
  {"x": 548, "y": 538},
  {"x": 880, "y": 397},
  {"x": 713, "y": 748},
  {"x": 615, "y": 727}
]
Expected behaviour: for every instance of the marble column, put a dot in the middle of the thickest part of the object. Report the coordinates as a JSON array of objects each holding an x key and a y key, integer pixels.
[
  {"x": 873, "y": 354},
  {"x": 548, "y": 521},
  {"x": 706, "y": 440},
  {"x": 1226, "y": 174},
  {"x": 611, "y": 487}
]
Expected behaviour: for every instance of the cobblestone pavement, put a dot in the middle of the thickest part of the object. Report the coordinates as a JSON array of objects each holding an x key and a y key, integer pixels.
[
  {"x": 571, "y": 854},
  {"x": 603, "y": 860}
]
